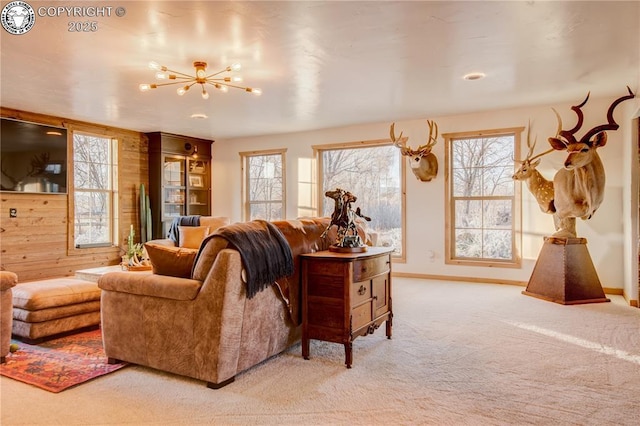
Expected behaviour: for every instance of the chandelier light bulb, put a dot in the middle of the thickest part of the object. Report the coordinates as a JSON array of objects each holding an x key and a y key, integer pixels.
[
  {"x": 236, "y": 67},
  {"x": 221, "y": 87},
  {"x": 201, "y": 73},
  {"x": 181, "y": 91},
  {"x": 254, "y": 90},
  {"x": 155, "y": 66},
  {"x": 160, "y": 75},
  {"x": 144, "y": 87},
  {"x": 205, "y": 94},
  {"x": 236, "y": 79}
]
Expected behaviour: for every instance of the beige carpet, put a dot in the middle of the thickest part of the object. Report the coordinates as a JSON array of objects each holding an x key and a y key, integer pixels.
[{"x": 461, "y": 354}]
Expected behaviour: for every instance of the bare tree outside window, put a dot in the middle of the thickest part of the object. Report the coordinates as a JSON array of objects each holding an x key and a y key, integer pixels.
[
  {"x": 482, "y": 197},
  {"x": 373, "y": 174},
  {"x": 93, "y": 177},
  {"x": 264, "y": 184}
]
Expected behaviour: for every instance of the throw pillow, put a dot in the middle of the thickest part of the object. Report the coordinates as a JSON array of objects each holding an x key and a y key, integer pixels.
[
  {"x": 171, "y": 261},
  {"x": 192, "y": 236}
]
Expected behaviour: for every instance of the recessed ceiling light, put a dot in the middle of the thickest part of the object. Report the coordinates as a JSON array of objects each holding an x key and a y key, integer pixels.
[
  {"x": 199, "y": 115},
  {"x": 474, "y": 76}
]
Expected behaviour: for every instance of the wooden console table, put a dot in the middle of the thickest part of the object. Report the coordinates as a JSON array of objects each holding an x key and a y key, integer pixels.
[{"x": 345, "y": 295}]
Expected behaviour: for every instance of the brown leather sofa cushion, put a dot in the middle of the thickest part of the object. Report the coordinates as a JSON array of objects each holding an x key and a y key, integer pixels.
[
  {"x": 43, "y": 315},
  {"x": 7, "y": 280},
  {"x": 53, "y": 293},
  {"x": 214, "y": 222},
  {"x": 171, "y": 261},
  {"x": 150, "y": 285}
]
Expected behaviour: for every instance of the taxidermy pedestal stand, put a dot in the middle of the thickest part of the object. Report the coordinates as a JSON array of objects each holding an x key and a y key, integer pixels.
[{"x": 564, "y": 273}]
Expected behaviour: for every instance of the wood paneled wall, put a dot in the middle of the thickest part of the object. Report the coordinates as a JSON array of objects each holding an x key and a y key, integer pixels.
[{"x": 34, "y": 245}]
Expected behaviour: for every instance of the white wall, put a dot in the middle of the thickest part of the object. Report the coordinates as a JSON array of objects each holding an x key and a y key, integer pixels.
[
  {"x": 630, "y": 198},
  {"x": 425, "y": 200}
]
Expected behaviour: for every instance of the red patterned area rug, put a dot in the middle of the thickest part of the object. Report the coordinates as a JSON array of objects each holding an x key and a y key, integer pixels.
[{"x": 61, "y": 363}]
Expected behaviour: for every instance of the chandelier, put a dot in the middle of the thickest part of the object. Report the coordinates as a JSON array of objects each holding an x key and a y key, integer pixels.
[{"x": 186, "y": 81}]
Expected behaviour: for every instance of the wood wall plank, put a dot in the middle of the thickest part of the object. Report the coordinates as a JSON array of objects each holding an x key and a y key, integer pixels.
[{"x": 35, "y": 244}]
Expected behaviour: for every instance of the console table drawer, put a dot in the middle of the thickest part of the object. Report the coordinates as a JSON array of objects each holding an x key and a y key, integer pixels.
[
  {"x": 367, "y": 268},
  {"x": 360, "y": 292},
  {"x": 360, "y": 316}
]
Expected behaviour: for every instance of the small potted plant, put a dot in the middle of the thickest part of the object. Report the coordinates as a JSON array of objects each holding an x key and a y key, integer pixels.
[{"x": 135, "y": 258}]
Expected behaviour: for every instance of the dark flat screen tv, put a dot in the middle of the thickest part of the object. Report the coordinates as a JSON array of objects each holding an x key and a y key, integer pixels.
[{"x": 33, "y": 157}]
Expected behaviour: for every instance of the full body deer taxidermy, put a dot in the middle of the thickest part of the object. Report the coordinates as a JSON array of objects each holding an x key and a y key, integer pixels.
[
  {"x": 579, "y": 186},
  {"x": 541, "y": 188},
  {"x": 423, "y": 162}
]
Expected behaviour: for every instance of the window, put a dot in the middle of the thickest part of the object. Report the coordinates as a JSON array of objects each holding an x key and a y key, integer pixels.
[
  {"x": 483, "y": 217},
  {"x": 94, "y": 190},
  {"x": 263, "y": 185},
  {"x": 373, "y": 172}
]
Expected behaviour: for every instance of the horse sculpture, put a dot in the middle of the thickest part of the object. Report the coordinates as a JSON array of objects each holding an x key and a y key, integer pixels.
[{"x": 344, "y": 218}]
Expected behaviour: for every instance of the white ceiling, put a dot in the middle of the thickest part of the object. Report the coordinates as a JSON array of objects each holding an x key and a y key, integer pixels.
[{"x": 320, "y": 64}]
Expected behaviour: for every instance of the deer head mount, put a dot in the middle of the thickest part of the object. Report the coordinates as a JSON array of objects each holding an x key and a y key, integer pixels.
[
  {"x": 539, "y": 186},
  {"x": 38, "y": 167},
  {"x": 580, "y": 151},
  {"x": 579, "y": 185},
  {"x": 422, "y": 161}
]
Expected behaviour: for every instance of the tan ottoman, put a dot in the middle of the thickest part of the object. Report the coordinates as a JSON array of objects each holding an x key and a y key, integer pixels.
[{"x": 45, "y": 309}]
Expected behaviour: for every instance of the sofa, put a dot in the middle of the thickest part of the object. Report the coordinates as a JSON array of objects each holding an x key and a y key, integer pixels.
[
  {"x": 203, "y": 324},
  {"x": 7, "y": 281}
]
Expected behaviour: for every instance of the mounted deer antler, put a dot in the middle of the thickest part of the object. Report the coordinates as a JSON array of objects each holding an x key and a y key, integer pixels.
[
  {"x": 579, "y": 186},
  {"x": 541, "y": 188},
  {"x": 423, "y": 162},
  {"x": 16, "y": 181}
]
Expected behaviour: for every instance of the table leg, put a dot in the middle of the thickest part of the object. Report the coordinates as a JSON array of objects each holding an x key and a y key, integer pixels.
[
  {"x": 388, "y": 326},
  {"x": 348, "y": 354},
  {"x": 305, "y": 348}
]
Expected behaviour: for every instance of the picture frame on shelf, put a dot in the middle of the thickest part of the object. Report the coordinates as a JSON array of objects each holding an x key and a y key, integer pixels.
[
  {"x": 196, "y": 181},
  {"x": 197, "y": 166}
]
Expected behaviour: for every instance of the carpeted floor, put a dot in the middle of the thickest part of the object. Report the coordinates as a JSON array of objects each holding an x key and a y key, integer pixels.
[
  {"x": 461, "y": 354},
  {"x": 61, "y": 363}
]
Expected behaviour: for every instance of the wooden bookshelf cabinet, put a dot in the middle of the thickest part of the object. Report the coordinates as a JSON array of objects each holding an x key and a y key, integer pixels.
[{"x": 179, "y": 178}]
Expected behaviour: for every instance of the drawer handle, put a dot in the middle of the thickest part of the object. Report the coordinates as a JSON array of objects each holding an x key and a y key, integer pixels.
[{"x": 362, "y": 290}]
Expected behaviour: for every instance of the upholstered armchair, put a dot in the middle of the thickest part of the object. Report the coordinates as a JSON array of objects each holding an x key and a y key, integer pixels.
[{"x": 7, "y": 281}]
